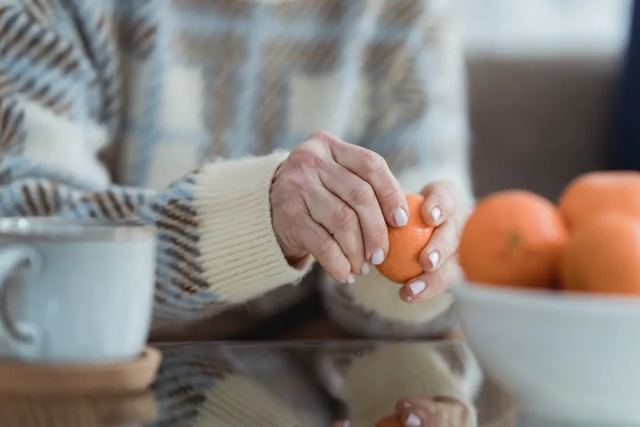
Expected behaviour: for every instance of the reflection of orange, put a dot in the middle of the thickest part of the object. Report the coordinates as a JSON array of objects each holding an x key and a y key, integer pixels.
[
  {"x": 405, "y": 244},
  {"x": 390, "y": 421},
  {"x": 602, "y": 256},
  {"x": 593, "y": 193},
  {"x": 513, "y": 238}
]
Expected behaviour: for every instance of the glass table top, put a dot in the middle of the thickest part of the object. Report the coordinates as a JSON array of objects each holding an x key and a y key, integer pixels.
[{"x": 304, "y": 384}]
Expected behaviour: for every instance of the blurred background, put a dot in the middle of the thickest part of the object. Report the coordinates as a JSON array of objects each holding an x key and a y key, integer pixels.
[{"x": 544, "y": 78}]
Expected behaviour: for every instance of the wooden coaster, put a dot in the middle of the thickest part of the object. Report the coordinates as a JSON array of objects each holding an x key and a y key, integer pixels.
[
  {"x": 77, "y": 411},
  {"x": 73, "y": 379}
]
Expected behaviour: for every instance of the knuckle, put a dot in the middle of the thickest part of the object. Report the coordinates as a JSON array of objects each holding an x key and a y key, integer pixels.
[
  {"x": 362, "y": 194},
  {"x": 304, "y": 157},
  {"x": 374, "y": 162},
  {"x": 435, "y": 280},
  {"x": 344, "y": 217},
  {"x": 446, "y": 191},
  {"x": 391, "y": 193},
  {"x": 451, "y": 272},
  {"x": 329, "y": 249},
  {"x": 322, "y": 136},
  {"x": 452, "y": 236},
  {"x": 298, "y": 157},
  {"x": 377, "y": 238}
]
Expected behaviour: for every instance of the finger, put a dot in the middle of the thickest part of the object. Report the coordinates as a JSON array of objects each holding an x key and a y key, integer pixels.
[
  {"x": 433, "y": 412},
  {"x": 441, "y": 201},
  {"x": 341, "y": 222},
  {"x": 324, "y": 249},
  {"x": 442, "y": 246},
  {"x": 418, "y": 416},
  {"x": 372, "y": 168},
  {"x": 430, "y": 284},
  {"x": 358, "y": 194}
]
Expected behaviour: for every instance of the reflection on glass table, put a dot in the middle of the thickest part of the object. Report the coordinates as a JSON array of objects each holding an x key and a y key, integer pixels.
[{"x": 324, "y": 384}]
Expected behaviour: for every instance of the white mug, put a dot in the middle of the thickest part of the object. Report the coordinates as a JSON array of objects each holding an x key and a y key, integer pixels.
[{"x": 75, "y": 291}]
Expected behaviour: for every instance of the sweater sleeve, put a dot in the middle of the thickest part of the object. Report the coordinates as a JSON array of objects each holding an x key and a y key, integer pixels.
[{"x": 216, "y": 247}]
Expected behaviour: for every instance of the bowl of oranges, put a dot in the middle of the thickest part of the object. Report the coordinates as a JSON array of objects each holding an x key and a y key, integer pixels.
[{"x": 551, "y": 301}]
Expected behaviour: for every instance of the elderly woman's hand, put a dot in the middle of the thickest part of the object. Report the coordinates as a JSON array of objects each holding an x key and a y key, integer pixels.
[
  {"x": 445, "y": 208},
  {"x": 334, "y": 200},
  {"x": 421, "y": 412}
]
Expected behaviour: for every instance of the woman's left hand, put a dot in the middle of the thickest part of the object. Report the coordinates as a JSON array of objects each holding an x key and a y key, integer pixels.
[
  {"x": 446, "y": 209},
  {"x": 422, "y": 412}
]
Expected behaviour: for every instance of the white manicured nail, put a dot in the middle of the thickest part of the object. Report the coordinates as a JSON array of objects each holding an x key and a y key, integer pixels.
[
  {"x": 413, "y": 421},
  {"x": 400, "y": 217},
  {"x": 434, "y": 258},
  {"x": 365, "y": 269},
  {"x": 436, "y": 214},
  {"x": 351, "y": 279},
  {"x": 377, "y": 257},
  {"x": 417, "y": 287}
]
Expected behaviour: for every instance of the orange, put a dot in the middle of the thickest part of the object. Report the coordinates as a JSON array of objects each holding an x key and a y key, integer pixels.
[
  {"x": 602, "y": 256},
  {"x": 406, "y": 243},
  {"x": 594, "y": 193},
  {"x": 513, "y": 238},
  {"x": 390, "y": 421}
]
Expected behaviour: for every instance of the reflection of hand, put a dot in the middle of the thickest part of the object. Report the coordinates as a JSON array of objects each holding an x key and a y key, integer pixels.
[
  {"x": 444, "y": 208},
  {"x": 421, "y": 412}
]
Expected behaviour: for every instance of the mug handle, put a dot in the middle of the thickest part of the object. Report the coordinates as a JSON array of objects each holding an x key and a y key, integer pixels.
[{"x": 22, "y": 339}]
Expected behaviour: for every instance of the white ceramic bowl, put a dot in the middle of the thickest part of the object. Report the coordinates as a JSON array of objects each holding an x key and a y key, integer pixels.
[{"x": 563, "y": 356}]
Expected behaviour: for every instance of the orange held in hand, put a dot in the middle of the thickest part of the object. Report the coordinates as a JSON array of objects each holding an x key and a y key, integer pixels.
[
  {"x": 406, "y": 243},
  {"x": 595, "y": 193},
  {"x": 602, "y": 256},
  {"x": 390, "y": 421},
  {"x": 513, "y": 238}
]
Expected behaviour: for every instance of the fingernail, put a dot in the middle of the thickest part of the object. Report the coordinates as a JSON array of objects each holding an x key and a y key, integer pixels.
[
  {"x": 400, "y": 217},
  {"x": 365, "y": 269},
  {"x": 377, "y": 257},
  {"x": 406, "y": 405},
  {"x": 434, "y": 258},
  {"x": 417, "y": 287},
  {"x": 346, "y": 423},
  {"x": 351, "y": 279},
  {"x": 412, "y": 421},
  {"x": 436, "y": 214}
]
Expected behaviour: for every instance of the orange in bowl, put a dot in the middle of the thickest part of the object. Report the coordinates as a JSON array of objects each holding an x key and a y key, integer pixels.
[
  {"x": 595, "y": 193},
  {"x": 402, "y": 263},
  {"x": 603, "y": 256},
  {"x": 513, "y": 238}
]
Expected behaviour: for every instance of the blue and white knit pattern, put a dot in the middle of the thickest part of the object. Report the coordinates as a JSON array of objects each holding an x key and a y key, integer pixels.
[{"x": 108, "y": 108}]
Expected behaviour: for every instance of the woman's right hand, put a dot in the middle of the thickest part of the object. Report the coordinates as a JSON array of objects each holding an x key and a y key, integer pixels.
[
  {"x": 422, "y": 412},
  {"x": 334, "y": 200}
]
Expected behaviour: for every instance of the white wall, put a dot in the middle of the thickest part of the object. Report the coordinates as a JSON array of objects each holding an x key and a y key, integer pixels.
[{"x": 549, "y": 28}]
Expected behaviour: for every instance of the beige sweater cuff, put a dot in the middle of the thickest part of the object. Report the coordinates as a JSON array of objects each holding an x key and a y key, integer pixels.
[{"x": 239, "y": 252}]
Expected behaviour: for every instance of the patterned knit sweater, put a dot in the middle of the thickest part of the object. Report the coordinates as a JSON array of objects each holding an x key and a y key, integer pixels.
[{"x": 176, "y": 113}]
